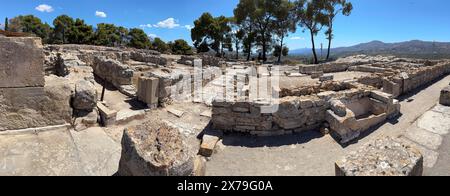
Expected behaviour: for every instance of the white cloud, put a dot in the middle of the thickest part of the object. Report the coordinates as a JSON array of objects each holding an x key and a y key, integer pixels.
[
  {"x": 153, "y": 36},
  {"x": 297, "y": 38},
  {"x": 169, "y": 23},
  {"x": 100, "y": 14},
  {"x": 44, "y": 8},
  {"x": 146, "y": 26}
]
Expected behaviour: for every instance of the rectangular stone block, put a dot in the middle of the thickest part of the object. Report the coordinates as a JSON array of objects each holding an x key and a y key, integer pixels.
[
  {"x": 445, "y": 96},
  {"x": 108, "y": 116},
  {"x": 148, "y": 90},
  {"x": 21, "y": 62}
]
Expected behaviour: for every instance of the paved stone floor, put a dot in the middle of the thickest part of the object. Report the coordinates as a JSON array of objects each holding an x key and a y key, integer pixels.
[
  {"x": 59, "y": 153},
  {"x": 313, "y": 154}
]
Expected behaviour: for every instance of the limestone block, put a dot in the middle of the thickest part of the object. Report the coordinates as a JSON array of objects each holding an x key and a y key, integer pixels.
[
  {"x": 316, "y": 74},
  {"x": 445, "y": 96},
  {"x": 148, "y": 88},
  {"x": 85, "y": 97},
  {"x": 326, "y": 77},
  {"x": 32, "y": 107},
  {"x": 384, "y": 97},
  {"x": 154, "y": 149},
  {"x": 209, "y": 142},
  {"x": 383, "y": 157},
  {"x": 107, "y": 116},
  {"x": 21, "y": 62}
]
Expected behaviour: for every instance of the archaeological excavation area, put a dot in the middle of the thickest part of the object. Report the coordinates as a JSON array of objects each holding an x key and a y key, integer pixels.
[{"x": 103, "y": 111}]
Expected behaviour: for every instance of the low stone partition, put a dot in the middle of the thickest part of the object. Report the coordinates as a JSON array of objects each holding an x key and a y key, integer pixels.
[
  {"x": 350, "y": 117},
  {"x": 112, "y": 71},
  {"x": 405, "y": 82},
  {"x": 317, "y": 88},
  {"x": 147, "y": 57},
  {"x": 384, "y": 156},
  {"x": 325, "y": 68},
  {"x": 207, "y": 60},
  {"x": 367, "y": 68},
  {"x": 290, "y": 114}
]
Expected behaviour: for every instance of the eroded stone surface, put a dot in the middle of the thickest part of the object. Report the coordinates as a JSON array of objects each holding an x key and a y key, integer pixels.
[
  {"x": 154, "y": 149},
  {"x": 382, "y": 157},
  {"x": 21, "y": 62}
]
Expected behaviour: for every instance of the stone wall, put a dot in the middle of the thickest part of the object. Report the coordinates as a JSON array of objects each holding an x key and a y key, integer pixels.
[
  {"x": 113, "y": 71},
  {"x": 142, "y": 56},
  {"x": 325, "y": 68},
  {"x": 27, "y": 99},
  {"x": 291, "y": 114},
  {"x": 412, "y": 79},
  {"x": 207, "y": 60},
  {"x": 32, "y": 107}
]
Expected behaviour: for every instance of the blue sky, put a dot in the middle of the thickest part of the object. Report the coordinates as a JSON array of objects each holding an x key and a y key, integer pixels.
[{"x": 384, "y": 20}]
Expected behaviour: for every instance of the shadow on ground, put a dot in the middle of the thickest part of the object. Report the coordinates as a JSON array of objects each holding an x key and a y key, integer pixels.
[{"x": 234, "y": 139}]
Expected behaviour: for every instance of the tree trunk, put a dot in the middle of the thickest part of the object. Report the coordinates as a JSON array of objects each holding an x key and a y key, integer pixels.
[
  {"x": 316, "y": 61},
  {"x": 264, "y": 49},
  {"x": 237, "y": 50},
  {"x": 249, "y": 51},
  {"x": 281, "y": 49},
  {"x": 329, "y": 48},
  {"x": 330, "y": 36}
]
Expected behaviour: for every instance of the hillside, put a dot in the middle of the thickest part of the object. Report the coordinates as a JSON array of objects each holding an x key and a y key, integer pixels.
[{"x": 414, "y": 48}]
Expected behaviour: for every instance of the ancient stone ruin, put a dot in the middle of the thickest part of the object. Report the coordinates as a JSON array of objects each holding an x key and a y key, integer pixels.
[{"x": 169, "y": 113}]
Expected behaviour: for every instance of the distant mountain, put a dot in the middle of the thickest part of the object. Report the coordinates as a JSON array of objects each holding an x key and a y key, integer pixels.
[{"x": 414, "y": 48}]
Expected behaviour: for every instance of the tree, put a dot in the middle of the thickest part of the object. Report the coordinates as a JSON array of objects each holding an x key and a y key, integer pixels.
[
  {"x": 332, "y": 9},
  {"x": 160, "y": 45},
  {"x": 62, "y": 28},
  {"x": 210, "y": 31},
  {"x": 310, "y": 16},
  {"x": 30, "y": 24},
  {"x": 139, "y": 39},
  {"x": 80, "y": 33},
  {"x": 6, "y": 24},
  {"x": 107, "y": 35},
  {"x": 124, "y": 37},
  {"x": 259, "y": 14},
  {"x": 181, "y": 47},
  {"x": 280, "y": 51},
  {"x": 284, "y": 22}
]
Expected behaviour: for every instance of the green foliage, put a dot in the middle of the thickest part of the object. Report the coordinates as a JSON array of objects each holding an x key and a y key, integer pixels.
[
  {"x": 278, "y": 50},
  {"x": 30, "y": 24},
  {"x": 108, "y": 35},
  {"x": 160, "y": 45},
  {"x": 181, "y": 47},
  {"x": 211, "y": 32},
  {"x": 311, "y": 16},
  {"x": 80, "y": 33},
  {"x": 139, "y": 39},
  {"x": 62, "y": 28}
]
